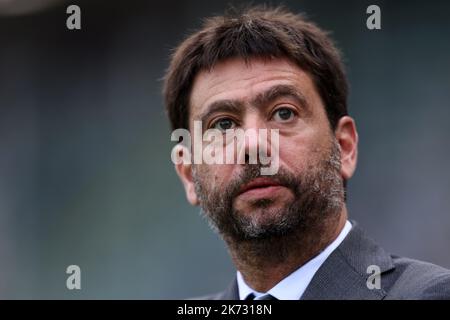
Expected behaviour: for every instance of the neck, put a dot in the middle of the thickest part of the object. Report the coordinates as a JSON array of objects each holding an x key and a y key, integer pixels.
[{"x": 264, "y": 263}]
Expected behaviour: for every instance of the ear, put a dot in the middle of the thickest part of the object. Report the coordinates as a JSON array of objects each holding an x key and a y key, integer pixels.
[
  {"x": 184, "y": 171},
  {"x": 347, "y": 137}
]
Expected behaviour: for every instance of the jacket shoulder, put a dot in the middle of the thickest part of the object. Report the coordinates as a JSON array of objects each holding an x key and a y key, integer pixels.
[{"x": 414, "y": 279}]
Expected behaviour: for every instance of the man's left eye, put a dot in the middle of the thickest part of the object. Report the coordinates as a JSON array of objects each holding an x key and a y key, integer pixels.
[{"x": 283, "y": 115}]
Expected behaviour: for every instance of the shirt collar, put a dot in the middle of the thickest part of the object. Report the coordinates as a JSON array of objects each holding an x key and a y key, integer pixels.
[{"x": 294, "y": 285}]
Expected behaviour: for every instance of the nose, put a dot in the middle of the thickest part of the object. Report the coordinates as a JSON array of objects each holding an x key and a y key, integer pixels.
[{"x": 257, "y": 140}]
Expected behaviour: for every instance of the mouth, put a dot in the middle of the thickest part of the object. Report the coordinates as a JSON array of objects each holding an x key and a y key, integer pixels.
[{"x": 259, "y": 188}]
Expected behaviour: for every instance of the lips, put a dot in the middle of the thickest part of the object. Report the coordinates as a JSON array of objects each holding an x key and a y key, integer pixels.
[{"x": 259, "y": 183}]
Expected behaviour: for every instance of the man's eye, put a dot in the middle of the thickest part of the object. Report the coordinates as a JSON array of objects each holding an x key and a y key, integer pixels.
[
  {"x": 283, "y": 115},
  {"x": 224, "y": 124}
]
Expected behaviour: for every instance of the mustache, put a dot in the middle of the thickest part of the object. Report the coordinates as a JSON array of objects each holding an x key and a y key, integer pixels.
[{"x": 253, "y": 171}]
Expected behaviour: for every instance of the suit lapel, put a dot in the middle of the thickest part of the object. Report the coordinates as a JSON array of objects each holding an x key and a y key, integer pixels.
[{"x": 344, "y": 274}]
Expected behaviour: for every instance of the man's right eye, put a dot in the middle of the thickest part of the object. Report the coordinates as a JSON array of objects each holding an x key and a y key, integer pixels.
[{"x": 223, "y": 124}]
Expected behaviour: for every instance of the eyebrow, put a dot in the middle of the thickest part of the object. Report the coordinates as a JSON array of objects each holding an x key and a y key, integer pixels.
[
  {"x": 231, "y": 106},
  {"x": 262, "y": 99},
  {"x": 278, "y": 91}
]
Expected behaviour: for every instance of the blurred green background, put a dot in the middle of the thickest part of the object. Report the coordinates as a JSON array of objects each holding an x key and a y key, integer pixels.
[{"x": 85, "y": 170}]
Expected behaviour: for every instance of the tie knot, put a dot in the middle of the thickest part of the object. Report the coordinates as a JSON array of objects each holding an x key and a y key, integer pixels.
[{"x": 267, "y": 296}]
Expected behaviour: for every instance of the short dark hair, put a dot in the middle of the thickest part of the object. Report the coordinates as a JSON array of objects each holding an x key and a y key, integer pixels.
[{"x": 256, "y": 32}]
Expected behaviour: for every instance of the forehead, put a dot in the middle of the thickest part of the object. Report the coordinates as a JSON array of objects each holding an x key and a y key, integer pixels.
[{"x": 236, "y": 80}]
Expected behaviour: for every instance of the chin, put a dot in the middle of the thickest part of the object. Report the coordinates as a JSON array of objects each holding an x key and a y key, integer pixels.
[{"x": 265, "y": 213}]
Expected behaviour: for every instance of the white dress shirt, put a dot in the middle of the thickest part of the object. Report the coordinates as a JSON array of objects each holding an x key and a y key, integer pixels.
[{"x": 294, "y": 285}]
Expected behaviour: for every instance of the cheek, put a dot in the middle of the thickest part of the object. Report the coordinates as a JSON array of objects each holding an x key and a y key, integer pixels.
[
  {"x": 294, "y": 153},
  {"x": 215, "y": 176},
  {"x": 300, "y": 153}
]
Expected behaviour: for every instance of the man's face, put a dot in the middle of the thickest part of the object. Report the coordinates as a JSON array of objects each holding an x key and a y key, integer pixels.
[{"x": 272, "y": 94}]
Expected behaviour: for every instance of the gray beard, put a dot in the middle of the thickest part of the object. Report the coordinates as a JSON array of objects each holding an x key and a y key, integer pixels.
[{"x": 318, "y": 199}]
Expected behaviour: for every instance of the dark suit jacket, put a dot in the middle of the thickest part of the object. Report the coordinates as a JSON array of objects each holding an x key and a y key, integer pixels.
[{"x": 344, "y": 275}]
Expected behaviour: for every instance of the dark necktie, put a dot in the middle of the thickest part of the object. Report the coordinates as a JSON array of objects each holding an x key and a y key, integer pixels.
[{"x": 251, "y": 296}]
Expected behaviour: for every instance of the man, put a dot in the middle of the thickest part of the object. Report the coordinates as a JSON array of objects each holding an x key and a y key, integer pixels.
[{"x": 288, "y": 233}]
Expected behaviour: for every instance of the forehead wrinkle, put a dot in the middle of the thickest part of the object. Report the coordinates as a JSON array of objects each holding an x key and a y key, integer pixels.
[
  {"x": 213, "y": 79},
  {"x": 238, "y": 106},
  {"x": 282, "y": 74},
  {"x": 256, "y": 101}
]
